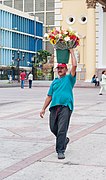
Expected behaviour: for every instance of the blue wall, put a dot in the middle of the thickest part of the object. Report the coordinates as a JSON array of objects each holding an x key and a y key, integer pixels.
[{"x": 23, "y": 38}]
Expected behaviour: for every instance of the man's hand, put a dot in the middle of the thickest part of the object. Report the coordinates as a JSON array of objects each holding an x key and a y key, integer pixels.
[
  {"x": 46, "y": 103},
  {"x": 71, "y": 50},
  {"x": 42, "y": 113}
]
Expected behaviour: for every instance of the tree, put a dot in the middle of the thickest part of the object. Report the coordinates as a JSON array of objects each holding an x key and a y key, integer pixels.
[{"x": 42, "y": 56}]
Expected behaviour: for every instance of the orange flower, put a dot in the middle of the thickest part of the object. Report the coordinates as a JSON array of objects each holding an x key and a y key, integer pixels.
[{"x": 66, "y": 37}]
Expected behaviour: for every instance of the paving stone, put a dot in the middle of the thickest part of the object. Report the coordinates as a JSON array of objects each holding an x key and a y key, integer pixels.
[{"x": 27, "y": 147}]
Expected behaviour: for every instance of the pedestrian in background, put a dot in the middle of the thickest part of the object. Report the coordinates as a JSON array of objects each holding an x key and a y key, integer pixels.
[
  {"x": 95, "y": 80},
  {"x": 103, "y": 82},
  {"x": 60, "y": 95},
  {"x": 30, "y": 79},
  {"x": 10, "y": 78},
  {"x": 22, "y": 78}
]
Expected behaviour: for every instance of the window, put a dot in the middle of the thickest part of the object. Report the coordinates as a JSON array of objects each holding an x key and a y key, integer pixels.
[
  {"x": 49, "y": 5},
  {"x": 50, "y": 18},
  {"x": 18, "y": 4},
  {"x": 39, "y": 5},
  {"x": 40, "y": 16},
  {"x": 8, "y": 3},
  {"x": 28, "y": 5}
]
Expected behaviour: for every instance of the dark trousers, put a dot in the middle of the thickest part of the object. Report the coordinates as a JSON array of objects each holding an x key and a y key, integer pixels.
[
  {"x": 30, "y": 83},
  {"x": 59, "y": 122}
]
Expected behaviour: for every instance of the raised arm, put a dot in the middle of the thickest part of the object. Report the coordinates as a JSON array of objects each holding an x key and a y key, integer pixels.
[
  {"x": 74, "y": 63},
  {"x": 46, "y": 103}
]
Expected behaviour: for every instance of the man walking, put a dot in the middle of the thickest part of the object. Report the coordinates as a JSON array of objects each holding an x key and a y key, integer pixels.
[
  {"x": 60, "y": 96},
  {"x": 22, "y": 77}
]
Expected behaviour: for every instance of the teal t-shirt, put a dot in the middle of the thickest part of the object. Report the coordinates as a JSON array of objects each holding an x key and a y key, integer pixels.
[{"x": 61, "y": 91}]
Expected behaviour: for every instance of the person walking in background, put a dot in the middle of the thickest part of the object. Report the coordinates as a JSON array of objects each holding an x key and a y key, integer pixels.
[
  {"x": 10, "y": 78},
  {"x": 60, "y": 95},
  {"x": 22, "y": 78},
  {"x": 30, "y": 79},
  {"x": 95, "y": 80},
  {"x": 103, "y": 82}
]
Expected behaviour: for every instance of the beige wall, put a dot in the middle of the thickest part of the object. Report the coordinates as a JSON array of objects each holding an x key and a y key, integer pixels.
[
  {"x": 76, "y": 12},
  {"x": 92, "y": 57},
  {"x": 71, "y": 8}
]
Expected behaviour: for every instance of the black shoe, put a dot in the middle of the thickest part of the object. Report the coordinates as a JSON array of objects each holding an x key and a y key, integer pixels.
[
  {"x": 100, "y": 94},
  {"x": 67, "y": 141},
  {"x": 61, "y": 156}
]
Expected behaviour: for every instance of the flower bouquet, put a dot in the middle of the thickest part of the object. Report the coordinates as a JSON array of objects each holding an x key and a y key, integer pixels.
[{"x": 62, "y": 40}]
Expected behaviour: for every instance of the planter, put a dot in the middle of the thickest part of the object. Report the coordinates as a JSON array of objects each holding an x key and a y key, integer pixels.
[{"x": 62, "y": 56}]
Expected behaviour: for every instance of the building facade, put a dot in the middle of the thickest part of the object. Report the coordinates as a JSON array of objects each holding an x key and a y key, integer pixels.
[
  {"x": 21, "y": 37},
  {"x": 43, "y": 9},
  {"x": 90, "y": 22}
]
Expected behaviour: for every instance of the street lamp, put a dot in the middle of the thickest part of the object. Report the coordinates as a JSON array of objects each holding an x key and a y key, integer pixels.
[
  {"x": 18, "y": 59},
  {"x": 33, "y": 64},
  {"x": 36, "y": 44}
]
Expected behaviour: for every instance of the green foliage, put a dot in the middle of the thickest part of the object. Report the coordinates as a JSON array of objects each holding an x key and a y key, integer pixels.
[{"x": 41, "y": 57}]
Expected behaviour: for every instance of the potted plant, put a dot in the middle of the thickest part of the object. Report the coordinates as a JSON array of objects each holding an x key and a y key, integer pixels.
[{"x": 62, "y": 40}]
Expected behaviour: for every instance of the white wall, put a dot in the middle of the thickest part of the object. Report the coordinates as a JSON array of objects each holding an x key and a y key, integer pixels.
[
  {"x": 99, "y": 36},
  {"x": 104, "y": 39}
]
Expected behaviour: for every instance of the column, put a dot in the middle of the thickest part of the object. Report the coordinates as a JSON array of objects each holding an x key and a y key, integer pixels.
[
  {"x": 90, "y": 61},
  {"x": 104, "y": 37}
]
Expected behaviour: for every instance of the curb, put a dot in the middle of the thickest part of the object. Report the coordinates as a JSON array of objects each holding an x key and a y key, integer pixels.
[
  {"x": 45, "y": 84},
  {"x": 16, "y": 85}
]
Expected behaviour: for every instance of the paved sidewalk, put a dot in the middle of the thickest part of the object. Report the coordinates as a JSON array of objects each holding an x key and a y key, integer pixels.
[{"x": 27, "y": 147}]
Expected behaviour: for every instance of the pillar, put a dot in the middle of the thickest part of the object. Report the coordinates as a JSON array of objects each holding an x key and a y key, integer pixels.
[
  {"x": 104, "y": 37},
  {"x": 90, "y": 61}
]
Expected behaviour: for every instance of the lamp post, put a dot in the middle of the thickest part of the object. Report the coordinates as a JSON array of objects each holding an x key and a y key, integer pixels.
[
  {"x": 33, "y": 63},
  {"x": 18, "y": 59},
  {"x": 36, "y": 44}
]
